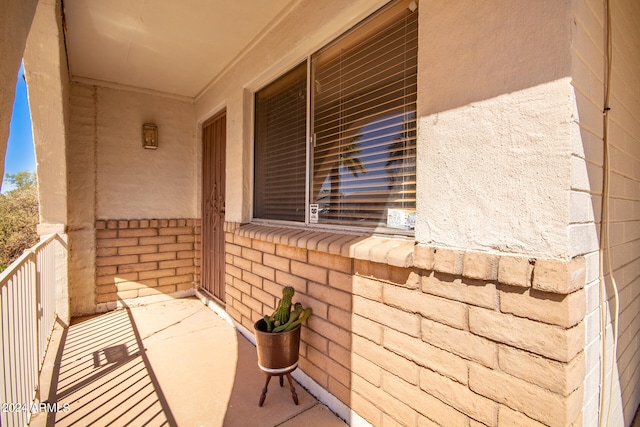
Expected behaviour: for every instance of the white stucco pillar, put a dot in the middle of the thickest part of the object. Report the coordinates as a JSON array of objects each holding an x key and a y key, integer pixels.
[
  {"x": 494, "y": 139},
  {"x": 47, "y": 83},
  {"x": 15, "y": 22}
]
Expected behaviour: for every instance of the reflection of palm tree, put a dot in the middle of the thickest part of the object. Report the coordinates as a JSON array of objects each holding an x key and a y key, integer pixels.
[
  {"x": 347, "y": 159},
  {"x": 403, "y": 148},
  {"x": 405, "y": 142},
  {"x": 401, "y": 164}
]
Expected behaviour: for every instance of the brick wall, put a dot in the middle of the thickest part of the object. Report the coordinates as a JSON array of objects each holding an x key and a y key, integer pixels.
[
  {"x": 588, "y": 66},
  {"x": 417, "y": 335},
  {"x": 141, "y": 258},
  {"x": 624, "y": 138},
  {"x": 586, "y": 182}
]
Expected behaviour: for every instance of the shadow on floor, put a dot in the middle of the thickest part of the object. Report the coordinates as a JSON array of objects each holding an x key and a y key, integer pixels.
[
  {"x": 175, "y": 363},
  {"x": 103, "y": 377}
]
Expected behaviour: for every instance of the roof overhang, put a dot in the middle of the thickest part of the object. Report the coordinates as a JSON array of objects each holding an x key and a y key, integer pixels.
[{"x": 172, "y": 47}]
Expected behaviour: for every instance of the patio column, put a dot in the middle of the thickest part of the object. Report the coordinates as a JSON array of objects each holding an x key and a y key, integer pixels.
[
  {"x": 15, "y": 22},
  {"x": 47, "y": 83}
]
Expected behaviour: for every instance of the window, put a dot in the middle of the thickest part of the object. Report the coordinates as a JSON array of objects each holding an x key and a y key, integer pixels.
[
  {"x": 362, "y": 122},
  {"x": 280, "y": 148}
]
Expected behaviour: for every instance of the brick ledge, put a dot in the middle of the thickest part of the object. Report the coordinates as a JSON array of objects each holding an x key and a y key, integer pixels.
[
  {"x": 546, "y": 275},
  {"x": 397, "y": 252}
]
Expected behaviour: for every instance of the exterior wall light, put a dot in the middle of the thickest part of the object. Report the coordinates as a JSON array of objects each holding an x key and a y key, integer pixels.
[{"x": 150, "y": 136}]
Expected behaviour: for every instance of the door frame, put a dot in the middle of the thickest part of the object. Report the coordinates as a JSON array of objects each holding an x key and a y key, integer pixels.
[{"x": 212, "y": 249}]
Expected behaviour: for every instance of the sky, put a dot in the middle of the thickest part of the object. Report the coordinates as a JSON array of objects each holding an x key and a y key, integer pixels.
[{"x": 20, "y": 153}]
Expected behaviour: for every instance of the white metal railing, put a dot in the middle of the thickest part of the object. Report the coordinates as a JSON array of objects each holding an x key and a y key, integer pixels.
[{"x": 28, "y": 312}]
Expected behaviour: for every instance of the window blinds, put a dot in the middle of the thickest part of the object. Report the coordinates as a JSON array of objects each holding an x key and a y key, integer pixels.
[
  {"x": 364, "y": 121},
  {"x": 280, "y": 148}
]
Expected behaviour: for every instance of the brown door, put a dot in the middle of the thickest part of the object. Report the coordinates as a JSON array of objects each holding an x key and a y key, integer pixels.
[{"x": 214, "y": 140}]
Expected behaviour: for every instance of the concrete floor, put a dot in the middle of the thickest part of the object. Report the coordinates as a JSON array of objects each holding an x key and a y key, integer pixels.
[{"x": 173, "y": 363}]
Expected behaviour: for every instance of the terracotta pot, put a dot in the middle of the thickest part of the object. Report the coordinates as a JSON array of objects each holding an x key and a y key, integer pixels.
[{"x": 277, "y": 352}]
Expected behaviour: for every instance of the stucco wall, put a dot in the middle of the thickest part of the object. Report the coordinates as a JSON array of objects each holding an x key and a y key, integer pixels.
[
  {"x": 112, "y": 177},
  {"x": 494, "y": 139},
  {"x": 133, "y": 182},
  {"x": 48, "y": 86},
  {"x": 494, "y": 132},
  {"x": 15, "y": 22},
  {"x": 308, "y": 27}
]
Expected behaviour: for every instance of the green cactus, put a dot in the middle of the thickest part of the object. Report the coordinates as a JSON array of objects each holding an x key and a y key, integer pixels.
[
  {"x": 281, "y": 315},
  {"x": 284, "y": 319},
  {"x": 302, "y": 317},
  {"x": 269, "y": 323},
  {"x": 292, "y": 318}
]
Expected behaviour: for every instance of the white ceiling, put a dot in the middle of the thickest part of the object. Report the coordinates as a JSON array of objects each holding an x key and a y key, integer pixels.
[{"x": 172, "y": 46}]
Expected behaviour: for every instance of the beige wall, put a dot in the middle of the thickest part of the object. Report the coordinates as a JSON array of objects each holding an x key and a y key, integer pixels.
[
  {"x": 586, "y": 183},
  {"x": 15, "y": 22},
  {"x": 308, "y": 27},
  {"x": 112, "y": 177},
  {"x": 82, "y": 198},
  {"x": 495, "y": 176},
  {"x": 98, "y": 168},
  {"x": 624, "y": 135},
  {"x": 410, "y": 335},
  {"x": 142, "y": 260},
  {"x": 133, "y": 182},
  {"x": 48, "y": 86},
  {"x": 588, "y": 65},
  {"x": 494, "y": 132},
  {"x": 494, "y": 140},
  {"x": 112, "y": 174}
]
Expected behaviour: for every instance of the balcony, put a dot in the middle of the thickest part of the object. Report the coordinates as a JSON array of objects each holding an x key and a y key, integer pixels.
[{"x": 175, "y": 363}]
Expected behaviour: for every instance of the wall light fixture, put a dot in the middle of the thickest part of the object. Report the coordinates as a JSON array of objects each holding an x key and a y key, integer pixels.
[{"x": 150, "y": 136}]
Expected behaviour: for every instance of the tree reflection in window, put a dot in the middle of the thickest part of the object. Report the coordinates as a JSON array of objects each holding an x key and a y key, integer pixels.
[{"x": 372, "y": 172}]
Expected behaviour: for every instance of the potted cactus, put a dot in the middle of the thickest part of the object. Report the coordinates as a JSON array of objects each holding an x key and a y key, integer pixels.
[{"x": 278, "y": 340}]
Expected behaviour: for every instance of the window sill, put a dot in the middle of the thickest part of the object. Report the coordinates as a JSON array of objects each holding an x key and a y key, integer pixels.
[
  {"x": 396, "y": 251},
  {"x": 545, "y": 275}
]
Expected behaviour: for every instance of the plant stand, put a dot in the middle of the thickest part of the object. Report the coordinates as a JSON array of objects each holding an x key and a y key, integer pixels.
[
  {"x": 277, "y": 356},
  {"x": 291, "y": 387}
]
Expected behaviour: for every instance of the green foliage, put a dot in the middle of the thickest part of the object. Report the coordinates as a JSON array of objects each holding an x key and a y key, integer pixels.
[
  {"x": 22, "y": 180},
  {"x": 284, "y": 319},
  {"x": 18, "y": 218}
]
